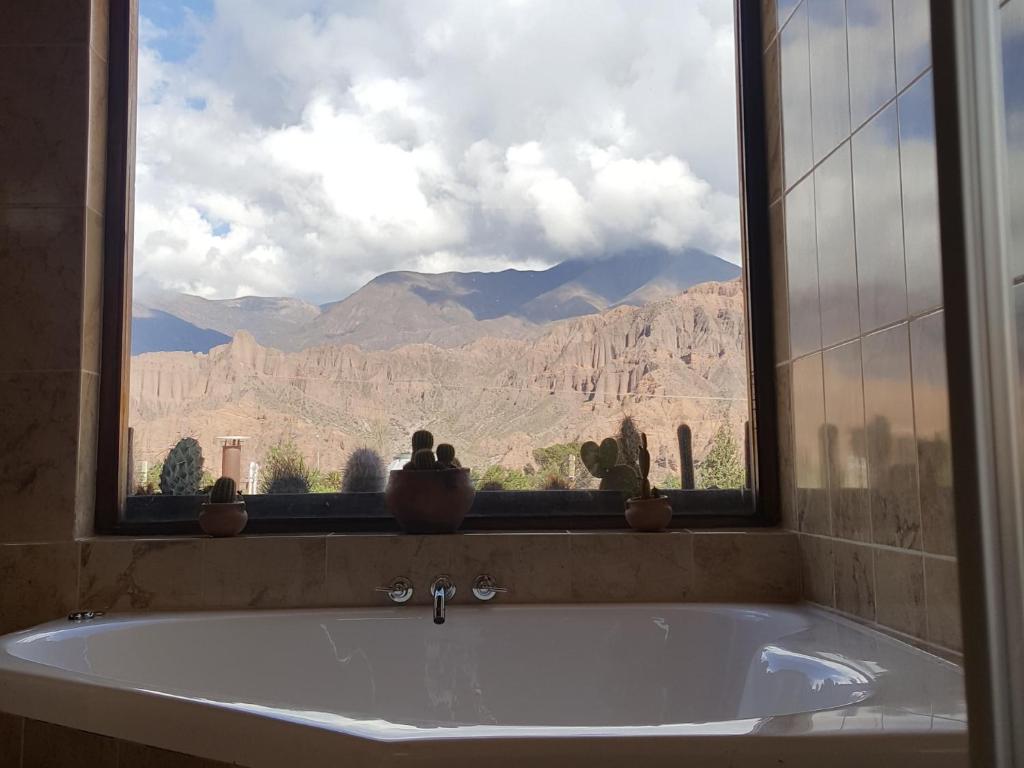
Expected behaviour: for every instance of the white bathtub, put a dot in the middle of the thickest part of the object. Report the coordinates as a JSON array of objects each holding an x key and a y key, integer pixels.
[{"x": 717, "y": 685}]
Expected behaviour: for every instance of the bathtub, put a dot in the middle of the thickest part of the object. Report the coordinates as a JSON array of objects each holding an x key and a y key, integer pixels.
[{"x": 595, "y": 685}]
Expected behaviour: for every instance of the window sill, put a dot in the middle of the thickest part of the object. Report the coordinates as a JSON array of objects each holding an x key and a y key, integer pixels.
[{"x": 491, "y": 511}]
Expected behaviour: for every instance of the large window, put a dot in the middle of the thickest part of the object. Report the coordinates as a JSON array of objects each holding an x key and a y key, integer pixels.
[{"x": 514, "y": 224}]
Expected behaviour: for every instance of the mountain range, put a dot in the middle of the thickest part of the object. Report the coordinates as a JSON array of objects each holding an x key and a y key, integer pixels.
[
  {"x": 447, "y": 310},
  {"x": 673, "y": 360}
]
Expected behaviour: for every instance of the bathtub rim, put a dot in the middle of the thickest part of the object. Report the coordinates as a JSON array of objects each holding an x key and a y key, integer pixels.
[{"x": 217, "y": 731}]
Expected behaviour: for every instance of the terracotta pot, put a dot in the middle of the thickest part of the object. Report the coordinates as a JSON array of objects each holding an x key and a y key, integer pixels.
[
  {"x": 429, "y": 500},
  {"x": 649, "y": 514},
  {"x": 226, "y": 519}
]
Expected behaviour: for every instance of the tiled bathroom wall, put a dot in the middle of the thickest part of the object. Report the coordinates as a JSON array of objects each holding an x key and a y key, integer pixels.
[
  {"x": 1012, "y": 18},
  {"x": 860, "y": 352}
]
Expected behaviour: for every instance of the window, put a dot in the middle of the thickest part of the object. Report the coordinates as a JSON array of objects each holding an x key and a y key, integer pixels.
[{"x": 516, "y": 225}]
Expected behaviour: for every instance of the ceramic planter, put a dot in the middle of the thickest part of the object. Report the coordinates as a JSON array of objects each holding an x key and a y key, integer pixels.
[
  {"x": 429, "y": 500},
  {"x": 226, "y": 519},
  {"x": 653, "y": 514}
]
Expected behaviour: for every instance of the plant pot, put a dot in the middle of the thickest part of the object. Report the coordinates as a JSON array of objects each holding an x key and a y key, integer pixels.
[
  {"x": 649, "y": 514},
  {"x": 226, "y": 519},
  {"x": 429, "y": 500}
]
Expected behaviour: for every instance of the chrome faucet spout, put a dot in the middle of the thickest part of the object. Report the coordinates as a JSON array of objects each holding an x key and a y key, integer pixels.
[
  {"x": 439, "y": 606},
  {"x": 442, "y": 590}
]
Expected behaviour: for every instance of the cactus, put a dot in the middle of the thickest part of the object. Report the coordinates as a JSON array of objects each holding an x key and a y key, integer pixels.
[
  {"x": 602, "y": 461},
  {"x": 182, "y": 472},
  {"x": 685, "y": 437},
  {"x": 629, "y": 442},
  {"x": 364, "y": 472},
  {"x": 422, "y": 439},
  {"x": 446, "y": 457},
  {"x": 224, "y": 491},
  {"x": 424, "y": 459},
  {"x": 284, "y": 471},
  {"x": 644, "y": 460}
]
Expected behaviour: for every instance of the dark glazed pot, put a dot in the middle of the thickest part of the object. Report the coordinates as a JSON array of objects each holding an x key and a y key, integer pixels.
[
  {"x": 649, "y": 514},
  {"x": 226, "y": 519},
  {"x": 429, "y": 500}
]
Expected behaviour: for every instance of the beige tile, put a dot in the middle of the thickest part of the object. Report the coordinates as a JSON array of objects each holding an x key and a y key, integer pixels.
[
  {"x": 769, "y": 20},
  {"x": 796, "y": 96},
  {"x": 855, "y": 579},
  {"x": 41, "y": 260},
  {"x": 626, "y": 566},
  {"x": 931, "y": 423},
  {"x": 833, "y": 210},
  {"x": 38, "y": 583},
  {"x": 96, "y": 177},
  {"x": 746, "y": 566},
  {"x": 844, "y": 443},
  {"x": 44, "y": 22},
  {"x": 88, "y": 436},
  {"x": 899, "y": 591},
  {"x": 141, "y": 575},
  {"x": 889, "y": 434},
  {"x": 534, "y": 566},
  {"x": 811, "y": 493},
  {"x": 92, "y": 292},
  {"x": 264, "y": 572},
  {"x": 99, "y": 27},
  {"x": 802, "y": 270},
  {"x": 773, "y": 121},
  {"x": 44, "y": 125},
  {"x": 787, "y": 467},
  {"x": 11, "y": 729},
  {"x": 780, "y": 289},
  {"x": 38, "y": 446},
  {"x": 943, "y": 594},
  {"x": 358, "y": 564},
  {"x": 817, "y": 570},
  {"x": 52, "y": 746},
  {"x": 140, "y": 756}
]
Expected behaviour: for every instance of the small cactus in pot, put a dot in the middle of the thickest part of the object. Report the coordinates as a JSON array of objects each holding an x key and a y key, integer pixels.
[
  {"x": 224, "y": 514},
  {"x": 431, "y": 493},
  {"x": 650, "y": 511}
]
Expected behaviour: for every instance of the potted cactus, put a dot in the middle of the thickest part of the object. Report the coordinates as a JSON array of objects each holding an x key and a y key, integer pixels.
[
  {"x": 224, "y": 514},
  {"x": 431, "y": 494},
  {"x": 650, "y": 511}
]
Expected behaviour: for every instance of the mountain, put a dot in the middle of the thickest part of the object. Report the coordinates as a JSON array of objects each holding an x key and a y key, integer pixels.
[
  {"x": 454, "y": 308},
  {"x": 156, "y": 331},
  {"x": 497, "y": 399},
  {"x": 275, "y": 321}
]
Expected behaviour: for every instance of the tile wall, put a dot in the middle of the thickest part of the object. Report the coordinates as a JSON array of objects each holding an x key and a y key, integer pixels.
[
  {"x": 52, "y": 152},
  {"x": 860, "y": 352},
  {"x": 41, "y": 582},
  {"x": 1012, "y": 17}
]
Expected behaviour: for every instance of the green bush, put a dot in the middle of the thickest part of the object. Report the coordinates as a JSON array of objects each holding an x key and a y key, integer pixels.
[{"x": 723, "y": 466}]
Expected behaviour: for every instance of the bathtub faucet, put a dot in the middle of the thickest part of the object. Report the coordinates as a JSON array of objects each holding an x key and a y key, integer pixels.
[{"x": 442, "y": 590}]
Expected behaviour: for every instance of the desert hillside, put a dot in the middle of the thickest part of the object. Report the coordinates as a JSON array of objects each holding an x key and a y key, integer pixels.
[{"x": 678, "y": 359}]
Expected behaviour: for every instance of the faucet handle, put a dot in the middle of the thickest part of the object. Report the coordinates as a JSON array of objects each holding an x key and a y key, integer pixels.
[
  {"x": 398, "y": 591},
  {"x": 485, "y": 588},
  {"x": 443, "y": 584}
]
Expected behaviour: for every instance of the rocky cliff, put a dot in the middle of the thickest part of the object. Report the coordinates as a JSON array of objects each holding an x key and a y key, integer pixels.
[{"x": 674, "y": 360}]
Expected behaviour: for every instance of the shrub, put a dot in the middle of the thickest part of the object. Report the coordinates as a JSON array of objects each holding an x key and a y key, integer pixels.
[
  {"x": 723, "y": 466},
  {"x": 285, "y": 471}
]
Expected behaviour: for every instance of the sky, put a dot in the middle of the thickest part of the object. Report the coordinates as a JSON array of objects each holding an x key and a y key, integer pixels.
[{"x": 302, "y": 147}]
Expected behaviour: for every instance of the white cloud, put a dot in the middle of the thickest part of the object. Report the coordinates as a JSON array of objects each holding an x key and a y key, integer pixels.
[{"x": 305, "y": 146}]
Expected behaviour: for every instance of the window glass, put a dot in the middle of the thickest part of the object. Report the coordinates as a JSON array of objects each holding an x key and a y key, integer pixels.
[{"x": 513, "y": 224}]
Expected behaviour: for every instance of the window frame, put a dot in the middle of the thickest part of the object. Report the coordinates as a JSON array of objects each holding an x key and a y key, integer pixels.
[{"x": 117, "y": 513}]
